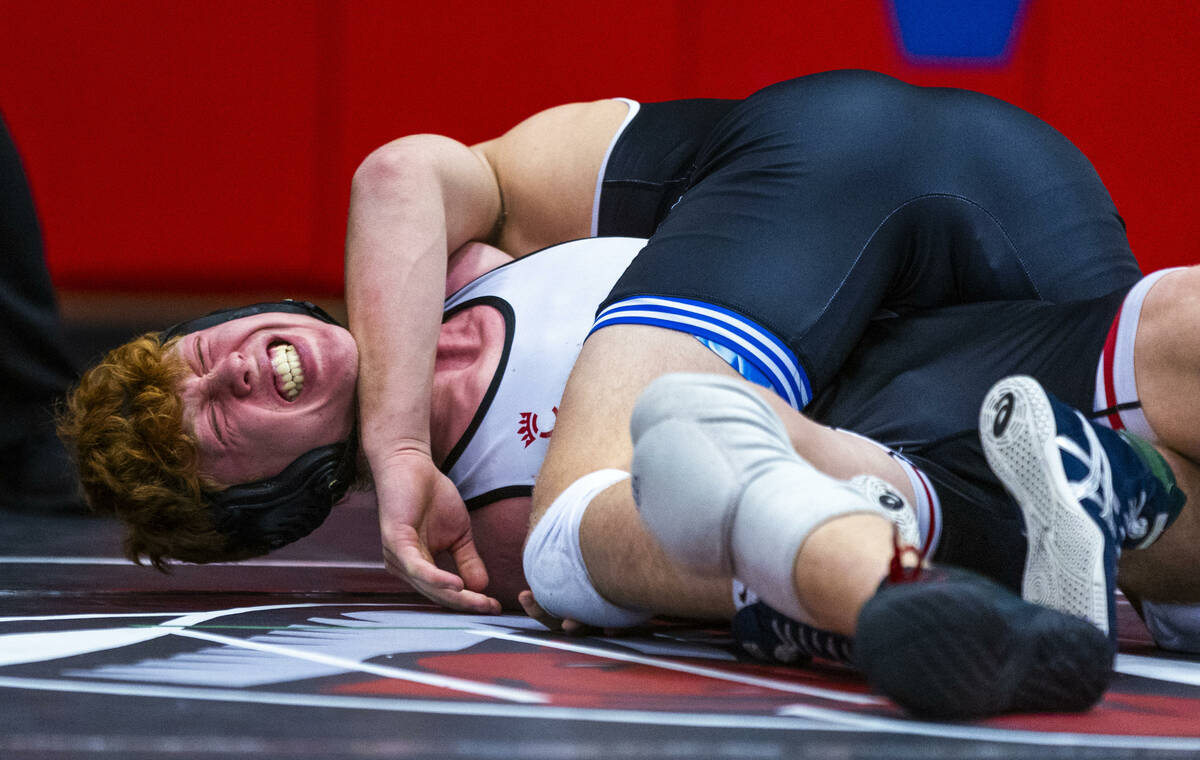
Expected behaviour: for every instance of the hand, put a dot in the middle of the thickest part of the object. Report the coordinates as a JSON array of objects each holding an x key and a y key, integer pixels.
[
  {"x": 567, "y": 626},
  {"x": 420, "y": 515},
  {"x": 535, "y": 611}
]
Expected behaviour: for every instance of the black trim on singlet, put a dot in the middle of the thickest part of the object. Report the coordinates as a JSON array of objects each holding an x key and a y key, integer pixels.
[
  {"x": 495, "y": 495},
  {"x": 1123, "y": 407},
  {"x": 510, "y": 323},
  {"x": 507, "y": 264}
]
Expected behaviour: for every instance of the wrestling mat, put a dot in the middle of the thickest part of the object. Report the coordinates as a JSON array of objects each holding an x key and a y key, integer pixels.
[{"x": 316, "y": 652}]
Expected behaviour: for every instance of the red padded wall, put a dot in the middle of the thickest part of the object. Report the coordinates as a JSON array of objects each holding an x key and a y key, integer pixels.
[
  {"x": 169, "y": 145},
  {"x": 200, "y": 146}
]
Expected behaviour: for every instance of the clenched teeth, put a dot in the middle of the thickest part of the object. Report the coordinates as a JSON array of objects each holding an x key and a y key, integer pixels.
[{"x": 286, "y": 362}]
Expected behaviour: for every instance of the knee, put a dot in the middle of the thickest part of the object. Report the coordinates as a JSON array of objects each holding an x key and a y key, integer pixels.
[{"x": 554, "y": 565}]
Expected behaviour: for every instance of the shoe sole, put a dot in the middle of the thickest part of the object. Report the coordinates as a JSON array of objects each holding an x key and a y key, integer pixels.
[
  {"x": 964, "y": 647},
  {"x": 1065, "y": 562}
]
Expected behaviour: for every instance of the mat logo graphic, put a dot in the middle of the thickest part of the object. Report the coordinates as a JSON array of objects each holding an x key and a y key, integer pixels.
[{"x": 413, "y": 658}]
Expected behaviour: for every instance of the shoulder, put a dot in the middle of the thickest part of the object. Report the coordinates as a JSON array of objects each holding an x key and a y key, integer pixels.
[
  {"x": 546, "y": 167},
  {"x": 570, "y": 124}
]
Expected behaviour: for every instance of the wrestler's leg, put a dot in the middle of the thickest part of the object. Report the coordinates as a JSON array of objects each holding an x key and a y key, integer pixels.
[
  {"x": 1166, "y": 361},
  {"x": 957, "y": 198},
  {"x": 716, "y": 481},
  {"x": 625, "y": 563},
  {"x": 1166, "y": 372},
  {"x": 1169, "y": 569}
]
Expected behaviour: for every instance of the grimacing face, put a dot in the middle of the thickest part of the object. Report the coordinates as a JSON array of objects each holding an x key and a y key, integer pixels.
[{"x": 263, "y": 390}]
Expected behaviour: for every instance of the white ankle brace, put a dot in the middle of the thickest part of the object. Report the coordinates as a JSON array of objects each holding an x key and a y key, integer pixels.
[{"x": 553, "y": 559}]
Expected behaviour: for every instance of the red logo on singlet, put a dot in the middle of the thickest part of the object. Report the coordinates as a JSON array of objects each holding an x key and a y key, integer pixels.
[{"x": 528, "y": 429}]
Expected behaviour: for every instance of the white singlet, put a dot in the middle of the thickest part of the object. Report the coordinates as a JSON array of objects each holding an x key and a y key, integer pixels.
[{"x": 500, "y": 453}]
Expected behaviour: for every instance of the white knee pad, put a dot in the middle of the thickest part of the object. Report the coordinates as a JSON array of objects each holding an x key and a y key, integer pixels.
[
  {"x": 718, "y": 483},
  {"x": 554, "y": 565}
]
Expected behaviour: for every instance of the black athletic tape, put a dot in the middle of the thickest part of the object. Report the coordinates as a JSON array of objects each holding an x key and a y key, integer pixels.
[{"x": 1114, "y": 409}]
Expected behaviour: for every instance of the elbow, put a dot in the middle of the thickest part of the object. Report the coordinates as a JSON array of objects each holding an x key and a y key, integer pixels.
[{"x": 393, "y": 168}]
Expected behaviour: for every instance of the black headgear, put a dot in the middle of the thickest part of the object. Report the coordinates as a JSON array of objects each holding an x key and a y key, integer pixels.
[{"x": 269, "y": 513}]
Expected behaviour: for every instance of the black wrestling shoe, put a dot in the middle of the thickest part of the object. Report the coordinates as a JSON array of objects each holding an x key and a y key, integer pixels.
[{"x": 952, "y": 644}]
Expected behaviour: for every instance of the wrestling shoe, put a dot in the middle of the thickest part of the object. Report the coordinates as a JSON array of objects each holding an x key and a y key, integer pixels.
[
  {"x": 951, "y": 644},
  {"x": 1084, "y": 491},
  {"x": 768, "y": 635},
  {"x": 717, "y": 481}
]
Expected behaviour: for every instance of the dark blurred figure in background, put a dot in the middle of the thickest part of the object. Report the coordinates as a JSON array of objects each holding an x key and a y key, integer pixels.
[{"x": 35, "y": 370}]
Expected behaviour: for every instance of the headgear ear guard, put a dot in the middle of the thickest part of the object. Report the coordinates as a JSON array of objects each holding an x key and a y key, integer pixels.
[{"x": 269, "y": 513}]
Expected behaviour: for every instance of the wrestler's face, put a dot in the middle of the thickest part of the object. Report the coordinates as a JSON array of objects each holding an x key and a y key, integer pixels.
[{"x": 249, "y": 421}]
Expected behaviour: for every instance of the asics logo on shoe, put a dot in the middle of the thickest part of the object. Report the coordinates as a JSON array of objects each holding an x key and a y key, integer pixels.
[
  {"x": 890, "y": 501},
  {"x": 1096, "y": 486},
  {"x": 1004, "y": 407}
]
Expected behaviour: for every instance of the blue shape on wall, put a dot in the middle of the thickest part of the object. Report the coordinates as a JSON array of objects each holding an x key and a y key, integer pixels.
[{"x": 962, "y": 31}]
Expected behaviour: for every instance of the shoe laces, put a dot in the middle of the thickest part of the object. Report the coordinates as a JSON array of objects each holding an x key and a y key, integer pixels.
[
  {"x": 1119, "y": 518},
  {"x": 796, "y": 641}
]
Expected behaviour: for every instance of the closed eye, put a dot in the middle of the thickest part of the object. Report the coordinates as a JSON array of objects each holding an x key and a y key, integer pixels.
[
  {"x": 212, "y": 409},
  {"x": 200, "y": 357},
  {"x": 212, "y": 416}
]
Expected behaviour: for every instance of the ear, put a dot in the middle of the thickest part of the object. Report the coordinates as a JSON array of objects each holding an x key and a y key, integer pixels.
[{"x": 471, "y": 261}]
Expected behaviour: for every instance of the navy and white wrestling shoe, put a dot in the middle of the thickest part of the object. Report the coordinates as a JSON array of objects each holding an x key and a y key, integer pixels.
[
  {"x": 1084, "y": 491},
  {"x": 768, "y": 635}
]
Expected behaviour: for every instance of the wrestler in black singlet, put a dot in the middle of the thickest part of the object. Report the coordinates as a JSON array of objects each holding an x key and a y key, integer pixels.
[{"x": 815, "y": 204}]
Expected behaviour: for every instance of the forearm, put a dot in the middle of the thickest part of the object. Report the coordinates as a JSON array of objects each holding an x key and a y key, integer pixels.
[{"x": 411, "y": 203}]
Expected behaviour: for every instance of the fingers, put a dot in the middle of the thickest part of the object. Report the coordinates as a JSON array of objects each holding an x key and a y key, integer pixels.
[
  {"x": 535, "y": 611},
  {"x": 470, "y": 564},
  {"x": 441, "y": 586},
  {"x": 575, "y": 628},
  {"x": 465, "y": 601},
  {"x": 446, "y": 589},
  {"x": 410, "y": 564},
  {"x": 438, "y": 524}
]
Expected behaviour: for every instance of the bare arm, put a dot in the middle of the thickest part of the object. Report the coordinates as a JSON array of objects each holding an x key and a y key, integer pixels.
[{"x": 414, "y": 201}]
